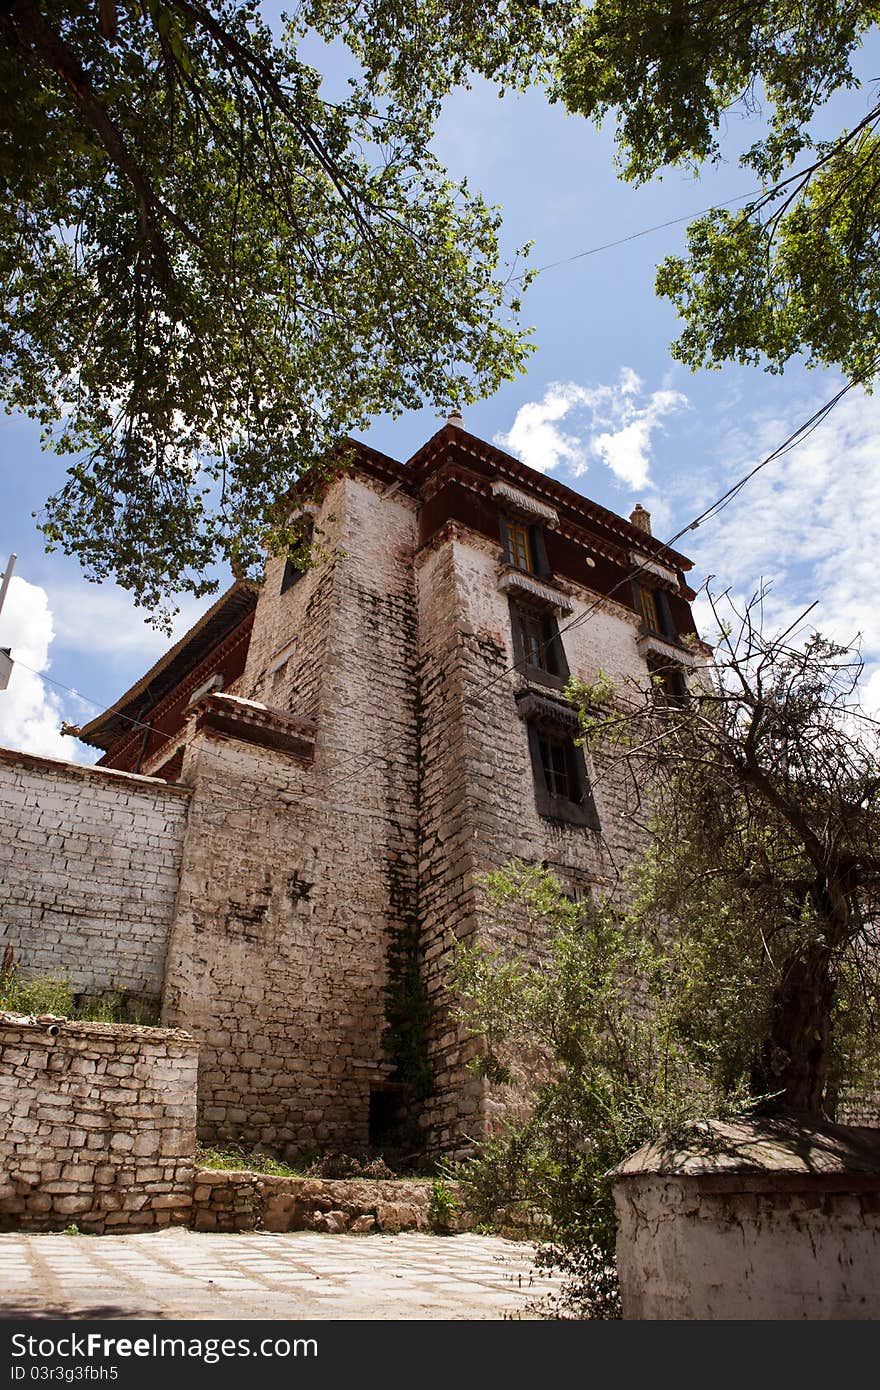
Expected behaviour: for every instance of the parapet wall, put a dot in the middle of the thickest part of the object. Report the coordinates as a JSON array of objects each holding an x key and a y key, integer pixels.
[
  {"x": 245, "y": 1201},
  {"x": 89, "y": 864},
  {"x": 749, "y": 1221},
  {"x": 99, "y": 1125}
]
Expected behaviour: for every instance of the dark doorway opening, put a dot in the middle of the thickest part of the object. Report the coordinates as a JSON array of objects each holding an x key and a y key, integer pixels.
[{"x": 387, "y": 1113}]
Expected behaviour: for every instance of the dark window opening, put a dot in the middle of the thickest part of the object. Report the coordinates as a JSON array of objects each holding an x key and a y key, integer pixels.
[
  {"x": 556, "y": 763},
  {"x": 562, "y": 790},
  {"x": 536, "y": 641},
  {"x": 668, "y": 681},
  {"x": 292, "y": 571}
]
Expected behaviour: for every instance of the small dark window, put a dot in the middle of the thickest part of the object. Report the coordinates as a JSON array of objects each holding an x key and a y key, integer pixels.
[
  {"x": 290, "y": 576},
  {"x": 557, "y": 765},
  {"x": 536, "y": 641},
  {"x": 562, "y": 791},
  {"x": 669, "y": 683},
  {"x": 292, "y": 572}
]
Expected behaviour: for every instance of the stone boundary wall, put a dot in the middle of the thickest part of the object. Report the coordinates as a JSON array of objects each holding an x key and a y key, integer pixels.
[
  {"x": 89, "y": 864},
  {"x": 748, "y": 1220},
  {"x": 99, "y": 1125},
  {"x": 740, "y": 1250},
  {"x": 244, "y": 1201}
]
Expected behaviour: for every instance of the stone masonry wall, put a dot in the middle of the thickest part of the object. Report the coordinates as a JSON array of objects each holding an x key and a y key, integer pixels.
[
  {"x": 242, "y": 1201},
  {"x": 99, "y": 1125},
  {"x": 297, "y": 875},
  {"x": 478, "y": 807},
  {"x": 89, "y": 863}
]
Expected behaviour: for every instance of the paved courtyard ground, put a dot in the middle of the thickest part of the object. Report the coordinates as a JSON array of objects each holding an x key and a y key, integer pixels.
[{"x": 184, "y": 1274}]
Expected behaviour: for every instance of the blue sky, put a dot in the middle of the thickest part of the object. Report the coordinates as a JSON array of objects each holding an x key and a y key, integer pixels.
[{"x": 603, "y": 408}]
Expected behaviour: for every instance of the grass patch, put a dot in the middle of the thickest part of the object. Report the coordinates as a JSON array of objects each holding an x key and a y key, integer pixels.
[
  {"x": 53, "y": 994},
  {"x": 233, "y": 1158}
]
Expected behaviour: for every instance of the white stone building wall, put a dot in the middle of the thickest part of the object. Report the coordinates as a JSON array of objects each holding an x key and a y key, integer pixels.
[{"x": 89, "y": 863}]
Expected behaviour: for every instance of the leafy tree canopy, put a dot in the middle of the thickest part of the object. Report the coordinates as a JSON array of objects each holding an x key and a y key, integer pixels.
[
  {"x": 797, "y": 270},
  {"x": 211, "y": 274}
]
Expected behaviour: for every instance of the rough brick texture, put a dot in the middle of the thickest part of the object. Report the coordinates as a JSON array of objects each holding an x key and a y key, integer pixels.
[
  {"x": 99, "y": 1125},
  {"x": 296, "y": 874},
  {"x": 478, "y": 806},
  {"x": 89, "y": 864}
]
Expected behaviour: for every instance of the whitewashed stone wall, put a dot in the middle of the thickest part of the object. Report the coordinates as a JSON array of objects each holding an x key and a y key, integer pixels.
[
  {"x": 687, "y": 1251},
  {"x": 98, "y": 1125},
  {"x": 297, "y": 876},
  {"x": 89, "y": 863}
]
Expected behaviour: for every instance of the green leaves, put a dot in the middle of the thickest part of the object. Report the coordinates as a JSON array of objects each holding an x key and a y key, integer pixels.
[
  {"x": 585, "y": 1025},
  {"x": 796, "y": 271},
  {"x": 800, "y": 274},
  {"x": 211, "y": 276}
]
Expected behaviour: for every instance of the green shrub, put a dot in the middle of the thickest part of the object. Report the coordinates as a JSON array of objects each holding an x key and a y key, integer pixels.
[
  {"x": 442, "y": 1208},
  {"x": 51, "y": 994},
  {"x": 46, "y": 995},
  {"x": 237, "y": 1158},
  {"x": 595, "y": 1009}
]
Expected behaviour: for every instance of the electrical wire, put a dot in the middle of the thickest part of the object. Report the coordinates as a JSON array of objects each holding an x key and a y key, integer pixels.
[
  {"x": 634, "y": 236},
  {"x": 714, "y": 509}
]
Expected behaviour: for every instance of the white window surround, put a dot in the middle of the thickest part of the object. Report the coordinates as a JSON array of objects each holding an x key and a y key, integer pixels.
[
  {"x": 654, "y": 567},
  {"x": 515, "y": 582},
  {"x": 650, "y": 644},
  {"x": 522, "y": 502}
]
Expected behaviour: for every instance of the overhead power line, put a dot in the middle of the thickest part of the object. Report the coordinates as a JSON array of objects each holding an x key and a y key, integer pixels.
[
  {"x": 714, "y": 509},
  {"x": 634, "y": 236}
]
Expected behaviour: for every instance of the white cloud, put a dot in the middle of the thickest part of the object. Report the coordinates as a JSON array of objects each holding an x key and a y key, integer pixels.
[
  {"x": 809, "y": 523},
  {"x": 30, "y": 711},
  {"x": 102, "y": 619},
  {"x": 613, "y": 424}
]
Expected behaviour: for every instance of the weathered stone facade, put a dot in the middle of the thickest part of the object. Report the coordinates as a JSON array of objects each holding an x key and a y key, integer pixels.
[
  {"x": 99, "y": 1125},
  {"x": 359, "y": 744},
  {"x": 89, "y": 869}
]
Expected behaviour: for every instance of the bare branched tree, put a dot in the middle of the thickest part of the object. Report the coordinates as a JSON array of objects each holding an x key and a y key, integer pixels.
[{"x": 764, "y": 813}]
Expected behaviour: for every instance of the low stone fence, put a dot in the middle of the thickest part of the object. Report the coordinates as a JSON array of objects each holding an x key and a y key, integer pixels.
[
  {"x": 752, "y": 1222},
  {"x": 242, "y": 1201},
  {"x": 99, "y": 1125}
]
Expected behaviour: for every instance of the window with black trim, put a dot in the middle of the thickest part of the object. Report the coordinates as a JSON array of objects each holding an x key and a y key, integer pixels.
[
  {"x": 537, "y": 644},
  {"x": 562, "y": 788},
  {"x": 292, "y": 572},
  {"x": 524, "y": 546},
  {"x": 654, "y": 608}
]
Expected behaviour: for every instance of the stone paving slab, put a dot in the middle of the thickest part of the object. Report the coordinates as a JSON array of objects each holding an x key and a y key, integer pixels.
[{"x": 178, "y": 1273}]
